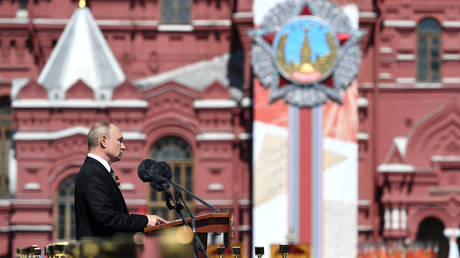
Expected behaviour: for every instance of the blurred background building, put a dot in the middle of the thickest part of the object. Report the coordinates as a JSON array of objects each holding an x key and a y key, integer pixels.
[
  {"x": 170, "y": 74},
  {"x": 175, "y": 76}
]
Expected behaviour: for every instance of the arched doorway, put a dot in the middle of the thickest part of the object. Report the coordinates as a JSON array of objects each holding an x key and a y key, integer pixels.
[{"x": 431, "y": 232}]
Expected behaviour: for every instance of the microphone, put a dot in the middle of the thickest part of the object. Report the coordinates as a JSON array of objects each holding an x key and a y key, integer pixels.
[
  {"x": 143, "y": 170},
  {"x": 158, "y": 174},
  {"x": 162, "y": 175}
]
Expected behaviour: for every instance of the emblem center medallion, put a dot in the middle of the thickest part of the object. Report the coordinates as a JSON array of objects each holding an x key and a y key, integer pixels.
[{"x": 305, "y": 50}]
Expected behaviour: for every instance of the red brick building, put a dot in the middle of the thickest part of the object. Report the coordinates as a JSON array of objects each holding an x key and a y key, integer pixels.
[
  {"x": 409, "y": 117},
  {"x": 186, "y": 90},
  {"x": 170, "y": 74}
]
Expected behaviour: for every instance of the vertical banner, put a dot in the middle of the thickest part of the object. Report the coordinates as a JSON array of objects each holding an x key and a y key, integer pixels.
[
  {"x": 270, "y": 179},
  {"x": 340, "y": 176},
  {"x": 270, "y": 164},
  {"x": 305, "y": 55}
]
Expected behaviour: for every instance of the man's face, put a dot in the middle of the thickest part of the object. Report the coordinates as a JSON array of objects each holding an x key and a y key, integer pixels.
[{"x": 114, "y": 145}]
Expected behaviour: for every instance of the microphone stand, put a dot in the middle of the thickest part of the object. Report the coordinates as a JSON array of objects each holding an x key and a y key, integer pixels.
[
  {"x": 177, "y": 206},
  {"x": 198, "y": 244},
  {"x": 194, "y": 196}
]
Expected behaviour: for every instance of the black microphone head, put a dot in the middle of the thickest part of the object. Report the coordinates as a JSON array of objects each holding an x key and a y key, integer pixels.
[
  {"x": 162, "y": 169},
  {"x": 144, "y": 170},
  {"x": 162, "y": 175}
]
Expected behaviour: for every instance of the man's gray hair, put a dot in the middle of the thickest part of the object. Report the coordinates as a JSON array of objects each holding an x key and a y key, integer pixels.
[{"x": 96, "y": 131}]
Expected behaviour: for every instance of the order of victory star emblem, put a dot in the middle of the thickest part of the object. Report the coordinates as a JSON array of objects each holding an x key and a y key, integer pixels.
[{"x": 305, "y": 51}]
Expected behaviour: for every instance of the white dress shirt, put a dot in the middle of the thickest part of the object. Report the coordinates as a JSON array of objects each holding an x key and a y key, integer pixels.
[{"x": 101, "y": 160}]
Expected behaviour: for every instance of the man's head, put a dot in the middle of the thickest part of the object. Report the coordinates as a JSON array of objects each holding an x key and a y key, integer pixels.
[{"x": 106, "y": 141}]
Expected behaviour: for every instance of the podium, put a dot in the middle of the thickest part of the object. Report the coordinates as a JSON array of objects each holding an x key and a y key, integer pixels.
[{"x": 204, "y": 224}]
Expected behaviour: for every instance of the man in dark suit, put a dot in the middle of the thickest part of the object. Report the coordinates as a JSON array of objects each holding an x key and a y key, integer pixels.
[{"x": 100, "y": 209}]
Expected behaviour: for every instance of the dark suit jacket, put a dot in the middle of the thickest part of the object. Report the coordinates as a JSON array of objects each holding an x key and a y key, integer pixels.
[{"x": 100, "y": 209}]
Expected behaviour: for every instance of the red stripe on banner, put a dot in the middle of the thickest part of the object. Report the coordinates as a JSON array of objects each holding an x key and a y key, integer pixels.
[{"x": 305, "y": 175}]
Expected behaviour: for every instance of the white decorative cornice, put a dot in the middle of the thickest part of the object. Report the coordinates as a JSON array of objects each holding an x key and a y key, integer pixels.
[
  {"x": 428, "y": 85},
  {"x": 31, "y": 201},
  {"x": 36, "y": 228},
  {"x": 448, "y": 232},
  {"x": 389, "y": 168},
  {"x": 215, "y": 187},
  {"x": 451, "y": 57},
  {"x": 222, "y": 136},
  {"x": 5, "y": 202},
  {"x": 451, "y": 24},
  {"x": 215, "y": 136},
  {"x": 399, "y": 23},
  {"x": 384, "y": 76},
  {"x": 371, "y": 15},
  {"x": 245, "y": 136},
  {"x": 244, "y": 228},
  {"x": 364, "y": 202},
  {"x": 445, "y": 158},
  {"x": 450, "y": 80},
  {"x": 198, "y": 23},
  {"x": 239, "y": 15},
  {"x": 127, "y": 23},
  {"x": 146, "y": 23},
  {"x": 49, "y": 21},
  {"x": 405, "y": 80},
  {"x": 367, "y": 85},
  {"x": 405, "y": 57},
  {"x": 133, "y": 135},
  {"x": 361, "y": 136},
  {"x": 132, "y": 23},
  {"x": 59, "y": 134},
  {"x": 244, "y": 202},
  {"x": 127, "y": 187},
  {"x": 32, "y": 186},
  {"x": 362, "y": 102},
  {"x": 385, "y": 50},
  {"x": 22, "y": 13},
  {"x": 14, "y": 20},
  {"x": 79, "y": 103},
  {"x": 388, "y": 85},
  {"x": 175, "y": 27},
  {"x": 214, "y": 103}
]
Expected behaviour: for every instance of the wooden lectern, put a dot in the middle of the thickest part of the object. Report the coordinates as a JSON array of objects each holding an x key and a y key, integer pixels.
[{"x": 204, "y": 224}]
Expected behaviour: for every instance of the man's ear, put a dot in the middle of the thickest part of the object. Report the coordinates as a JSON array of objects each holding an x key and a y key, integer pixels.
[{"x": 103, "y": 141}]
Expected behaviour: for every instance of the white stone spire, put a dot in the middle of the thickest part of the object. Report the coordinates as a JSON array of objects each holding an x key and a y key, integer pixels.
[{"x": 81, "y": 54}]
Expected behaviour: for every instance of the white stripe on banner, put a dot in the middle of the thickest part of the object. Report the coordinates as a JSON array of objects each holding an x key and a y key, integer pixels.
[
  {"x": 294, "y": 173},
  {"x": 317, "y": 181},
  {"x": 270, "y": 193}
]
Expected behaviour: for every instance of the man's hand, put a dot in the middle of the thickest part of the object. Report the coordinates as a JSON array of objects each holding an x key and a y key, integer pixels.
[{"x": 155, "y": 220}]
